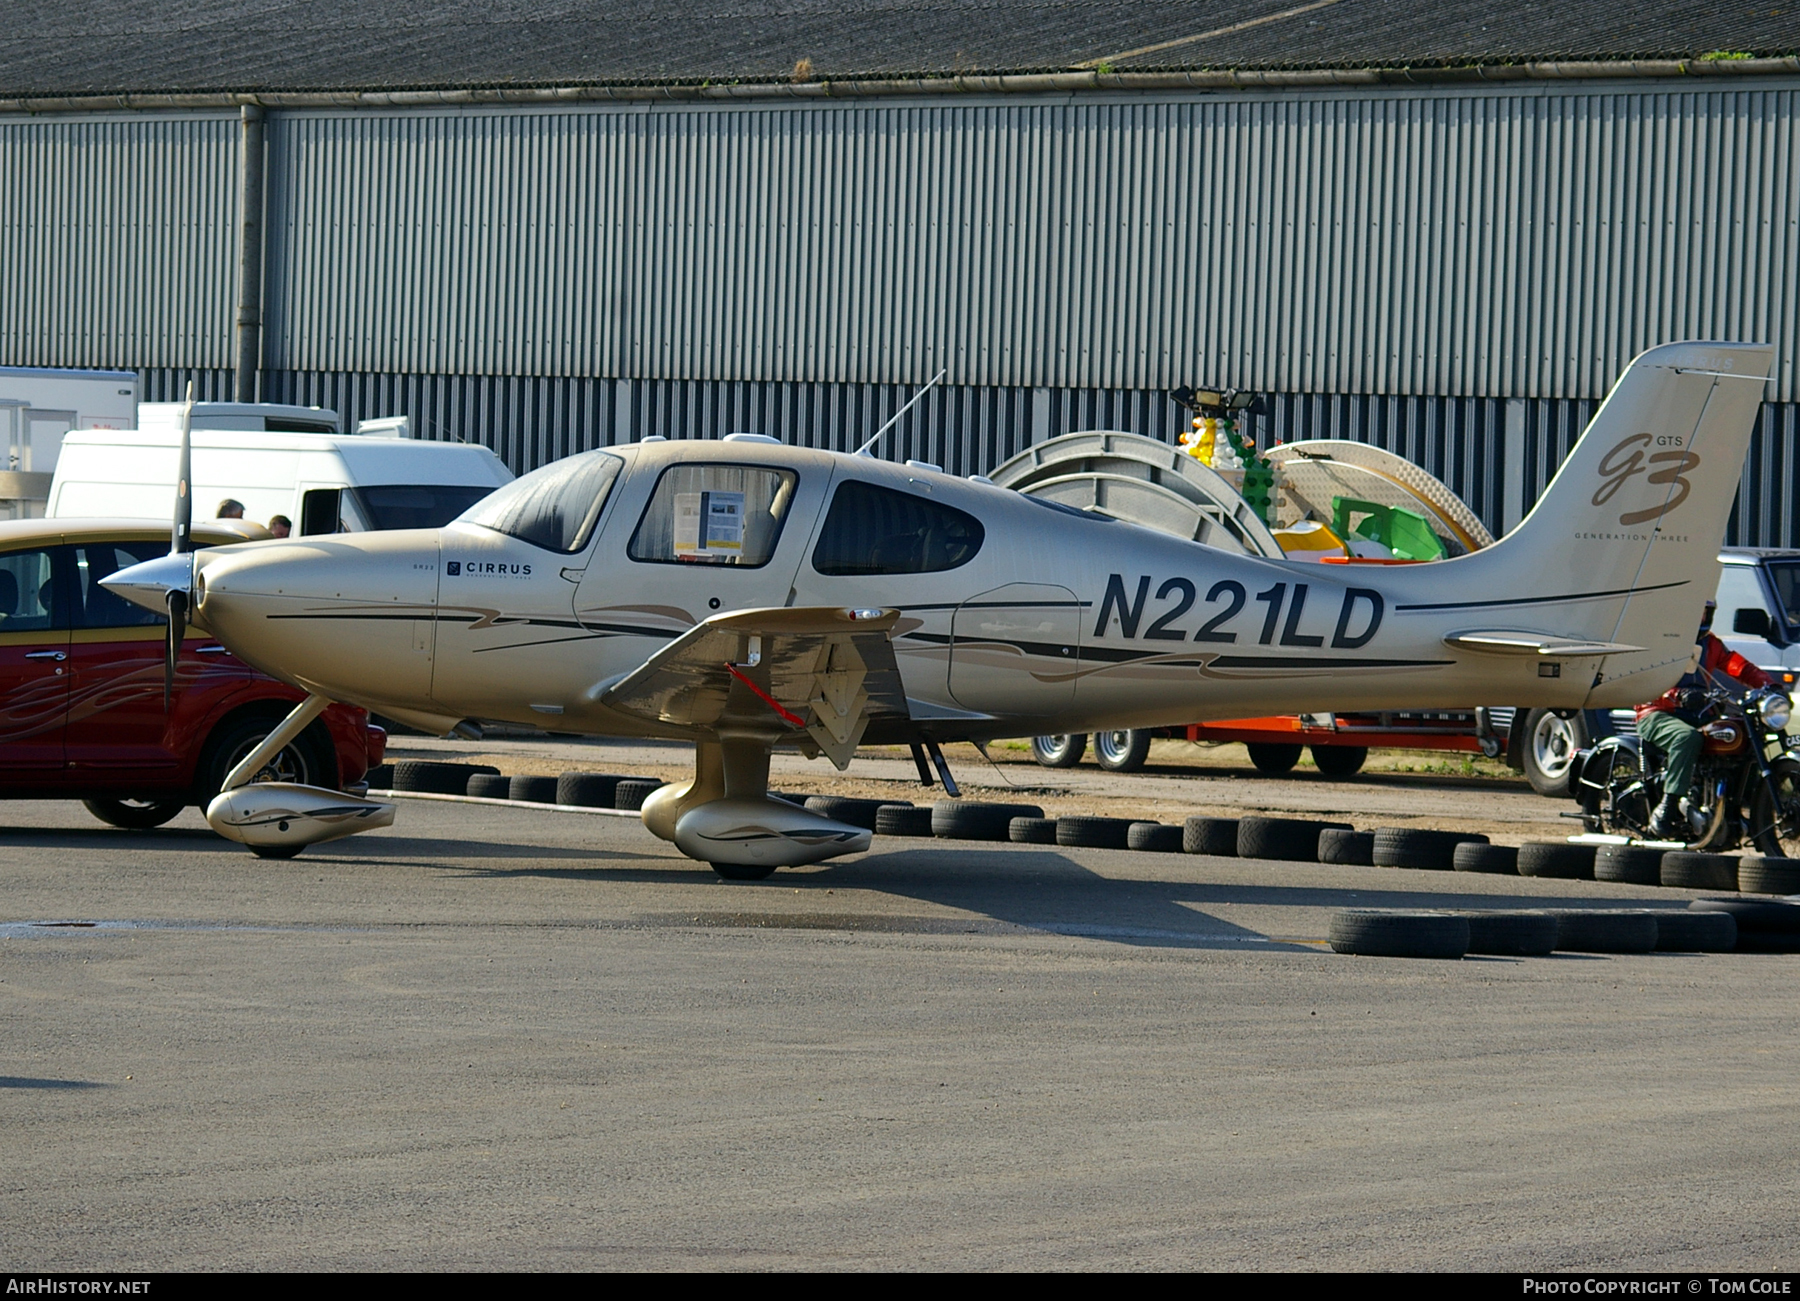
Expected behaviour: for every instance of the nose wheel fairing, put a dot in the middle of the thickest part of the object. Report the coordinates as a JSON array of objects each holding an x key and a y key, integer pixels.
[{"x": 289, "y": 816}]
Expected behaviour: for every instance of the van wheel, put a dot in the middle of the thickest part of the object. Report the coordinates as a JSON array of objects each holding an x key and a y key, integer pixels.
[
  {"x": 1059, "y": 751},
  {"x": 299, "y": 760},
  {"x": 1121, "y": 751},
  {"x": 134, "y": 815},
  {"x": 1549, "y": 750}
]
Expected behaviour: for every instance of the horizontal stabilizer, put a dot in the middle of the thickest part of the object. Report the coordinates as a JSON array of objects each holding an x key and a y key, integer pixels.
[{"x": 1506, "y": 642}]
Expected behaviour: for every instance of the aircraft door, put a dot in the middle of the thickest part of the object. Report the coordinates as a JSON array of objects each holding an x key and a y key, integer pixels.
[
  {"x": 707, "y": 538},
  {"x": 1016, "y": 650}
]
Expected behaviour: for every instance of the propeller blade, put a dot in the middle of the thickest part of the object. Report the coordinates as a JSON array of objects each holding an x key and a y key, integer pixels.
[
  {"x": 180, "y": 539},
  {"x": 178, "y": 608}
]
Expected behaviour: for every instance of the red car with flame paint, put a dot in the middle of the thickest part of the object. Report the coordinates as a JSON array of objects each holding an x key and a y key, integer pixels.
[{"x": 81, "y": 685}]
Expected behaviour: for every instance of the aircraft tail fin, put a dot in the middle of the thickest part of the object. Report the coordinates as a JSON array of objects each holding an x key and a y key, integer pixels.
[{"x": 1629, "y": 529}]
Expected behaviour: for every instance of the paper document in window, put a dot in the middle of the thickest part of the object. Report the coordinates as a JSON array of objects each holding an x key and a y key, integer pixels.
[{"x": 709, "y": 524}]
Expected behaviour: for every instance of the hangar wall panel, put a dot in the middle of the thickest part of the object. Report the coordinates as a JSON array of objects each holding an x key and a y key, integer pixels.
[
  {"x": 117, "y": 240},
  {"x": 1513, "y": 242}
]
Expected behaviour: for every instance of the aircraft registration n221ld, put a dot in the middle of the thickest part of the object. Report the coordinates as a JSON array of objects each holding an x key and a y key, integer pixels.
[{"x": 747, "y": 595}]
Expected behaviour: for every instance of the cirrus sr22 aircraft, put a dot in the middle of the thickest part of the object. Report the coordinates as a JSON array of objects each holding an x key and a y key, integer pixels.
[{"x": 747, "y": 595}]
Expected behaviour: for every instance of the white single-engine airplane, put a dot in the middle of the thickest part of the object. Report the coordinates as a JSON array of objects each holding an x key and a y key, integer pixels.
[{"x": 747, "y": 595}]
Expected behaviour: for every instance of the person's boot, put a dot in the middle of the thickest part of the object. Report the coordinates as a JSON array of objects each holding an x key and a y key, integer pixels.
[{"x": 1666, "y": 819}]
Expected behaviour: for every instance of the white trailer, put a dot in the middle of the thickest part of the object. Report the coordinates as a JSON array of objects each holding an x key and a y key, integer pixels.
[{"x": 38, "y": 407}]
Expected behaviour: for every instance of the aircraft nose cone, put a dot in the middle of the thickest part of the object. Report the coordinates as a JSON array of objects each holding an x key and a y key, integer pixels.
[{"x": 150, "y": 583}]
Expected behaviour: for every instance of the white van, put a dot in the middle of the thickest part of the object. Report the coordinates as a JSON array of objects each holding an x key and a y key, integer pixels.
[{"x": 322, "y": 482}]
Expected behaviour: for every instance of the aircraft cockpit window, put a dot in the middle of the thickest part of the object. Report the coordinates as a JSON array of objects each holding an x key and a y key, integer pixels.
[
  {"x": 714, "y": 515},
  {"x": 871, "y": 530},
  {"x": 555, "y": 507}
]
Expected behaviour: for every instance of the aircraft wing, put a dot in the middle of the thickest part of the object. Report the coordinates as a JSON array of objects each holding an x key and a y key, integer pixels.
[{"x": 825, "y": 671}]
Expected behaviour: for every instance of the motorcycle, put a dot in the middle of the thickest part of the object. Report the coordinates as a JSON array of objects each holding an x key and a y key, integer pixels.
[{"x": 1746, "y": 787}]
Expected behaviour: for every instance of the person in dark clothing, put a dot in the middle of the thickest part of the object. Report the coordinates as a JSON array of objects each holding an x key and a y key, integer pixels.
[{"x": 1670, "y": 721}]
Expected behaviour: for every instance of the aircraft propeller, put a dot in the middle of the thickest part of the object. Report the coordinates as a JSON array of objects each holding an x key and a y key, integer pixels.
[{"x": 181, "y": 543}]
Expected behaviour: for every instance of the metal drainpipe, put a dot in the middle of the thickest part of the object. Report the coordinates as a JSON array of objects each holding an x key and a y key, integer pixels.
[{"x": 250, "y": 256}]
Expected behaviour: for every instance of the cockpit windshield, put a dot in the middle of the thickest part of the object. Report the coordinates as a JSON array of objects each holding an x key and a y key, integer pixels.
[{"x": 554, "y": 507}]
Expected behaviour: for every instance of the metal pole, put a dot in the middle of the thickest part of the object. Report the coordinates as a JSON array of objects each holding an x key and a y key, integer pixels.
[{"x": 250, "y": 255}]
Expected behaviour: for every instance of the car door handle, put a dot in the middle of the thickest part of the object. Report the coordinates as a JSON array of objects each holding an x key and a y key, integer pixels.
[{"x": 46, "y": 655}]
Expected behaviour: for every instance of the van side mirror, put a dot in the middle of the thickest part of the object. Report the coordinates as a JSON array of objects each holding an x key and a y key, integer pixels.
[
  {"x": 319, "y": 510},
  {"x": 1751, "y": 622}
]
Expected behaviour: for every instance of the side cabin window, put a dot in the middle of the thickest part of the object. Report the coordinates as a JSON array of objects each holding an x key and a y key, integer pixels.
[
  {"x": 873, "y": 530},
  {"x": 555, "y": 507},
  {"x": 714, "y": 515}
]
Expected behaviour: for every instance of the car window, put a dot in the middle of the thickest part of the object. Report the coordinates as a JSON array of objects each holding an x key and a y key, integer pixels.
[
  {"x": 94, "y": 605},
  {"x": 28, "y": 593},
  {"x": 872, "y": 530},
  {"x": 714, "y": 515}
]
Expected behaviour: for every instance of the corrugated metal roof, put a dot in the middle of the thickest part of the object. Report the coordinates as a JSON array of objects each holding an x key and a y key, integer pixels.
[{"x": 50, "y": 47}]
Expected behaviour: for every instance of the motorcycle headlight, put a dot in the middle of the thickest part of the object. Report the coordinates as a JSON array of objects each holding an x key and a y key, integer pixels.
[{"x": 1774, "y": 709}]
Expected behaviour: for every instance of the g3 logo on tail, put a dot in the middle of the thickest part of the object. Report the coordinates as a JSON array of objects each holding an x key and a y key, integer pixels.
[{"x": 1627, "y": 458}]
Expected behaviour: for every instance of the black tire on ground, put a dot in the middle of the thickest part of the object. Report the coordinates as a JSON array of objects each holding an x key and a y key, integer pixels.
[
  {"x": 1758, "y": 874},
  {"x": 1560, "y": 860},
  {"x": 1682, "y": 930},
  {"x": 902, "y": 820},
  {"x": 1121, "y": 751},
  {"x": 277, "y": 851},
  {"x": 425, "y": 777},
  {"x": 1287, "y": 840},
  {"x": 1153, "y": 838},
  {"x": 1355, "y": 848},
  {"x": 633, "y": 791},
  {"x": 1272, "y": 760},
  {"x": 380, "y": 777},
  {"x": 1628, "y": 864},
  {"x": 742, "y": 871},
  {"x": 1601, "y": 930},
  {"x": 1549, "y": 750},
  {"x": 1032, "y": 831},
  {"x": 1092, "y": 833},
  {"x": 1683, "y": 870},
  {"x": 309, "y": 759},
  {"x": 1503, "y": 860},
  {"x": 1339, "y": 760},
  {"x": 1378, "y": 933},
  {"x": 843, "y": 808},
  {"x": 134, "y": 815},
  {"x": 1215, "y": 836},
  {"x": 1059, "y": 751},
  {"x": 489, "y": 786},
  {"x": 588, "y": 790},
  {"x": 977, "y": 819},
  {"x": 532, "y": 790},
  {"x": 1512, "y": 934},
  {"x": 1755, "y": 916},
  {"x": 1412, "y": 847}
]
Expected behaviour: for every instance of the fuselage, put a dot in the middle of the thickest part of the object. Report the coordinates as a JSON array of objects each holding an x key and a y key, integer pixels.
[{"x": 1017, "y": 617}]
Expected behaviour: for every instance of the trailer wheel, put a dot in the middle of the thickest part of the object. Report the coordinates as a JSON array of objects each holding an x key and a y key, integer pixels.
[
  {"x": 1121, "y": 751},
  {"x": 1059, "y": 751},
  {"x": 1549, "y": 750},
  {"x": 1273, "y": 760},
  {"x": 1339, "y": 760}
]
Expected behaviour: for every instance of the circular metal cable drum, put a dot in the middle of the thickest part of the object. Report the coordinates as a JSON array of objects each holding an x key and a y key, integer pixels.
[{"x": 1142, "y": 481}]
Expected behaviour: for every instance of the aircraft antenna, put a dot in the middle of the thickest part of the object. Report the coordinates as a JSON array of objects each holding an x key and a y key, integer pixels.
[{"x": 895, "y": 418}]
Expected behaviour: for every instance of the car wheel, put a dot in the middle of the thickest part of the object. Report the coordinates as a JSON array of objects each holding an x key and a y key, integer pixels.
[
  {"x": 1121, "y": 751},
  {"x": 134, "y": 815},
  {"x": 1059, "y": 751},
  {"x": 299, "y": 761},
  {"x": 1273, "y": 760},
  {"x": 1549, "y": 752}
]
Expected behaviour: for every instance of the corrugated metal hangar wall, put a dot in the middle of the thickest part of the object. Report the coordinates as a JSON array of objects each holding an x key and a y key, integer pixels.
[{"x": 1455, "y": 273}]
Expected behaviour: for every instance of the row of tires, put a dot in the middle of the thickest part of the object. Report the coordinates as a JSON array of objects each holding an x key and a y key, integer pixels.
[
  {"x": 588, "y": 790},
  {"x": 1706, "y": 926}
]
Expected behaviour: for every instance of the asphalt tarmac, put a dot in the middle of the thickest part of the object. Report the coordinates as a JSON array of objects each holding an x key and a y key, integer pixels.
[{"x": 490, "y": 1038}]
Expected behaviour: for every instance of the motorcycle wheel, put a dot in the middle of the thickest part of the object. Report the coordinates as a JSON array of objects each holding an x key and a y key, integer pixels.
[{"x": 1775, "y": 829}]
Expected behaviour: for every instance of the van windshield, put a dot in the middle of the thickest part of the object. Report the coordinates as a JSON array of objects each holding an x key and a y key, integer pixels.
[
  {"x": 554, "y": 507},
  {"x": 413, "y": 506},
  {"x": 1786, "y": 574}
]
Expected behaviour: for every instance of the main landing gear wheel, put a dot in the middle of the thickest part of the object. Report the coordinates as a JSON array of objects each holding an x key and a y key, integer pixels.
[
  {"x": 743, "y": 871},
  {"x": 134, "y": 815},
  {"x": 1121, "y": 751},
  {"x": 277, "y": 851}
]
